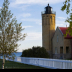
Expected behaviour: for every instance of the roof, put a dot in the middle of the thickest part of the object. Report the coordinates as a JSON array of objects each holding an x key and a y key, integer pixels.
[
  {"x": 63, "y": 31},
  {"x": 48, "y": 6}
]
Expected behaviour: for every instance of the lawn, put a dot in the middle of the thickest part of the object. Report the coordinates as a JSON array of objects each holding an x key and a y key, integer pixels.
[{"x": 16, "y": 65}]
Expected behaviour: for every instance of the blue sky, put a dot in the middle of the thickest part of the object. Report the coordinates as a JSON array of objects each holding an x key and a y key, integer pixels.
[{"x": 29, "y": 13}]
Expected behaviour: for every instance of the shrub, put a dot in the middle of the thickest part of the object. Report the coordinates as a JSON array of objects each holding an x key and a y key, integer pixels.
[{"x": 39, "y": 52}]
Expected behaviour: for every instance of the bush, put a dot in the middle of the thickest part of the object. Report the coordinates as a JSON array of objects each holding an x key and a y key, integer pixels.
[{"x": 39, "y": 52}]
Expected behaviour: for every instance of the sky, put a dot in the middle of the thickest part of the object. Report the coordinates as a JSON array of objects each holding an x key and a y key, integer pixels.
[{"x": 29, "y": 13}]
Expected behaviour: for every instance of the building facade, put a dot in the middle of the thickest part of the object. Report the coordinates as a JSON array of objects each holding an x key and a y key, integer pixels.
[
  {"x": 54, "y": 41},
  {"x": 61, "y": 45}
]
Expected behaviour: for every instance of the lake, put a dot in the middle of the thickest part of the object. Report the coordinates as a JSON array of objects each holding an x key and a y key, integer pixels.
[{"x": 18, "y": 54}]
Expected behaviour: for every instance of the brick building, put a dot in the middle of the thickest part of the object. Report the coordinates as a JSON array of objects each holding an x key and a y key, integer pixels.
[{"x": 53, "y": 40}]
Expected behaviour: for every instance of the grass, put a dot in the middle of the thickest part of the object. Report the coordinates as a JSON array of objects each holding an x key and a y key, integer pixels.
[{"x": 16, "y": 65}]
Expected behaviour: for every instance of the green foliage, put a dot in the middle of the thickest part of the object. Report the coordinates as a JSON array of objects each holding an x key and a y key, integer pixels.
[
  {"x": 69, "y": 30},
  {"x": 10, "y": 32},
  {"x": 39, "y": 52},
  {"x": 69, "y": 20},
  {"x": 66, "y": 6}
]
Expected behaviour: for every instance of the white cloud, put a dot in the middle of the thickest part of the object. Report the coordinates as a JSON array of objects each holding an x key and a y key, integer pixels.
[
  {"x": 24, "y": 15},
  {"x": 15, "y": 2},
  {"x": 26, "y": 26},
  {"x": 31, "y": 19},
  {"x": 61, "y": 17},
  {"x": 40, "y": 23},
  {"x": 34, "y": 36},
  {"x": 23, "y": 7},
  {"x": 61, "y": 23},
  {"x": 37, "y": 21},
  {"x": 23, "y": 4}
]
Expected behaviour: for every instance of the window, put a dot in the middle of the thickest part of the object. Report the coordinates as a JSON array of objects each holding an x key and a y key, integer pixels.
[
  {"x": 54, "y": 19},
  {"x": 57, "y": 38},
  {"x": 47, "y": 15},
  {"x": 67, "y": 49},
  {"x": 51, "y": 19},
  {"x": 55, "y": 50},
  {"x": 61, "y": 50},
  {"x": 47, "y": 20}
]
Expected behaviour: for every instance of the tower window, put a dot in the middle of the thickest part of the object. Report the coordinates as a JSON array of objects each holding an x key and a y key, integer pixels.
[
  {"x": 51, "y": 19},
  {"x": 54, "y": 19},
  {"x": 47, "y": 20},
  {"x": 47, "y": 16}
]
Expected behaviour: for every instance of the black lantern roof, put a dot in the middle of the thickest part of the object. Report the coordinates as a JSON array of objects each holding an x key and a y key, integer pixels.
[{"x": 48, "y": 6}]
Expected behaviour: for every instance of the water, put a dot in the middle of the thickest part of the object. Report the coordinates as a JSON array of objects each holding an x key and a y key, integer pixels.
[{"x": 18, "y": 54}]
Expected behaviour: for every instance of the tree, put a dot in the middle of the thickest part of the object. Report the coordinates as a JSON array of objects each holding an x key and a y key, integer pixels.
[
  {"x": 39, "y": 52},
  {"x": 69, "y": 20},
  {"x": 10, "y": 33}
]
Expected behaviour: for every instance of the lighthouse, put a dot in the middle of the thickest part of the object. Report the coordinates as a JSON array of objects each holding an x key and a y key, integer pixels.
[{"x": 48, "y": 28}]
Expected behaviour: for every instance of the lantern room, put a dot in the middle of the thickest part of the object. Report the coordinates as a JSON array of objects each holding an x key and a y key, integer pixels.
[{"x": 48, "y": 10}]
